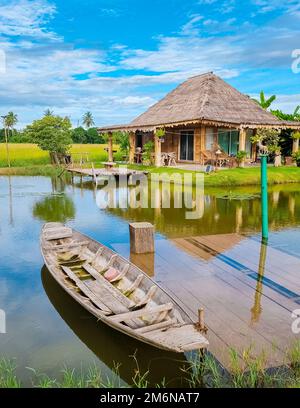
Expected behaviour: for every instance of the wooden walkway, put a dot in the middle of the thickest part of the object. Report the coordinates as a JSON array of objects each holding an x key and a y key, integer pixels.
[
  {"x": 102, "y": 172},
  {"x": 248, "y": 293}
]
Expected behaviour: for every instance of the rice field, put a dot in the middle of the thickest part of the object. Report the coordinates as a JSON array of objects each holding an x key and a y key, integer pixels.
[{"x": 27, "y": 154}]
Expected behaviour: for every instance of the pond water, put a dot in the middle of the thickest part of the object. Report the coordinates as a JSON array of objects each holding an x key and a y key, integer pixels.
[{"x": 45, "y": 328}]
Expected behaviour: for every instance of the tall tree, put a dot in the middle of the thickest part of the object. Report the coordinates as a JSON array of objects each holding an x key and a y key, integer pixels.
[
  {"x": 4, "y": 120},
  {"x": 9, "y": 121},
  {"x": 88, "y": 120},
  {"x": 263, "y": 102},
  {"x": 51, "y": 133}
]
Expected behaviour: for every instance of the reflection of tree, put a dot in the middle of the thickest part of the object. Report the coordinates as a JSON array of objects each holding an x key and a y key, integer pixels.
[{"x": 58, "y": 208}]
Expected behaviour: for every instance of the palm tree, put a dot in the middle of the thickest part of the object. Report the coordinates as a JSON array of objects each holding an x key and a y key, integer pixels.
[
  {"x": 4, "y": 120},
  {"x": 263, "y": 102},
  {"x": 88, "y": 120},
  {"x": 48, "y": 112},
  {"x": 9, "y": 121}
]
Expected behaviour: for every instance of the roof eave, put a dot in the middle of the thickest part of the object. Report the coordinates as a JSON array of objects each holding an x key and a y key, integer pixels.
[{"x": 202, "y": 121}]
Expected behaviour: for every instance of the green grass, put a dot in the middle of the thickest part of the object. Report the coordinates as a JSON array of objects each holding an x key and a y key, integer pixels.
[
  {"x": 27, "y": 154},
  {"x": 28, "y": 159},
  {"x": 245, "y": 371},
  {"x": 236, "y": 177}
]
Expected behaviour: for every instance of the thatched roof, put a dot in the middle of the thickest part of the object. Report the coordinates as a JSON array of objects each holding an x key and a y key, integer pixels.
[{"x": 205, "y": 99}]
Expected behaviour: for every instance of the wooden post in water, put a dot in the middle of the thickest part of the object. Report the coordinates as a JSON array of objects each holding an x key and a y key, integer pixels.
[{"x": 141, "y": 237}]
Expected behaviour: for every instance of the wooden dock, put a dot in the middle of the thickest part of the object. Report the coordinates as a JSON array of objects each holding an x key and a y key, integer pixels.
[
  {"x": 248, "y": 292},
  {"x": 94, "y": 173}
]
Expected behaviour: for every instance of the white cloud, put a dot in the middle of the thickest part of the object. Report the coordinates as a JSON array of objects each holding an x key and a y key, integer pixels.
[
  {"x": 26, "y": 18},
  {"x": 44, "y": 73},
  {"x": 191, "y": 28}
]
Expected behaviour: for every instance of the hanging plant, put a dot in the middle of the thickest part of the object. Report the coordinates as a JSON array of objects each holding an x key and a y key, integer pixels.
[{"x": 160, "y": 133}]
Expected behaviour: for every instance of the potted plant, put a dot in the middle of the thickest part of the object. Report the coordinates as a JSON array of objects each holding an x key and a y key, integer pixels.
[
  {"x": 296, "y": 158},
  {"x": 148, "y": 149},
  {"x": 160, "y": 133},
  {"x": 240, "y": 156}
]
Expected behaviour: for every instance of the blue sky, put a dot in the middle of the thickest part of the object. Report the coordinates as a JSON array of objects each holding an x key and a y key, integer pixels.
[{"x": 117, "y": 57}]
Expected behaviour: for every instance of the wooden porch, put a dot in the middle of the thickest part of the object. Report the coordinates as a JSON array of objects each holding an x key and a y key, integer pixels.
[{"x": 200, "y": 145}]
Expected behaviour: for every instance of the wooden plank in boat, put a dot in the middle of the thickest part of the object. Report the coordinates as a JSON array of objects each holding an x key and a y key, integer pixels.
[
  {"x": 58, "y": 233},
  {"x": 185, "y": 338},
  {"x": 142, "y": 312},
  {"x": 110, "y": 288},
  {"x": 106, "y": 297},
  {"x": 104, "y": 308},
  {"x": 68, "y": 245},
  {"x": 162, "y": 325}
]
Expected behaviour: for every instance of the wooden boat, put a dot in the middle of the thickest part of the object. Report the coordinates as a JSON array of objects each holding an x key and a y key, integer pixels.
[{"x": 116, "y": 291}]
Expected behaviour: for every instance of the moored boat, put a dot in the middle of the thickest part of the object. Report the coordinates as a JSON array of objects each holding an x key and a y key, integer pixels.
[{"x": 116, "y": 291}]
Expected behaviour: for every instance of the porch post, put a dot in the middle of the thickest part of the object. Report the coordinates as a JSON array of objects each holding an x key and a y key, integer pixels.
[
  {"x": 131, "y": 147},
  {"x": 295, "y": 145},
  {"x": 242, "y": 143},
  {"x": 110, "y": 147},
  {"x": 253, "y": 147},
  {"x": 157, "y": 150}
]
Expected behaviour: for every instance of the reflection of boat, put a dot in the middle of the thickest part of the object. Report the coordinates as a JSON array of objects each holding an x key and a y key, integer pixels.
[
  {"x": 109, "y": 346},
  {"x": 116, "y": 291}
]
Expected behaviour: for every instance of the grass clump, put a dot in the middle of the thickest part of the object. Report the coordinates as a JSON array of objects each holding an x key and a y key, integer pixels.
[
  {"x": 8, "y": 378},
  {"x": 204, "y": 371}
]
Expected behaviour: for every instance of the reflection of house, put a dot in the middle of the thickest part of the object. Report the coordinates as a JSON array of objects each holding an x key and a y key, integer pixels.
[
  {"x": 207, "y": 247},
  {"x": 200, "y": 116}
]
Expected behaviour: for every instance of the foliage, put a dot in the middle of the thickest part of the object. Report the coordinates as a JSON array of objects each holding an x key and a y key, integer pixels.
[
  {"x": 88, "y": 120},
  {"x": 89, "y": 136},
  {"x": 93, "y": 137},
  {"x": 263, "y": 102},
  {"x": 296, "y": 135},
  {"x": 122, "y": 139},
  {"x": 58, "y": 207},
  {"x": 268, "y": 137},
  {"x": 240, "y": 156},
  {"x": 79, "y": 135},
  {"x": 295, "y": 116},
  {"x": 160, "y": 133},
  {"x": 296, "y": 157},
  {"x": 48, "y": 112},
  {"x": 148, "y": 149},
  {"x": 10, "y": 120},
  {"x": 51, "y": 133}
]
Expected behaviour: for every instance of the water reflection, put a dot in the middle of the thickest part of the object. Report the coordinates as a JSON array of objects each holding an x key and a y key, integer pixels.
[
  {"x": 257, "y": 308},
  {"x": 112, "y": 347},
  {"x": 216, "y": 215},
  {"x": 54, "y": 208}
]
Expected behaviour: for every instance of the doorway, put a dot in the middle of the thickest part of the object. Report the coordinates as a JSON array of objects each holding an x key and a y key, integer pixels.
[{"x": 187, "y": 145}]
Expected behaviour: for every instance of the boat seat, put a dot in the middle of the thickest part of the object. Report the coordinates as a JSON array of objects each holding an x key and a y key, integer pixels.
[{"x": 58, "y": 233}]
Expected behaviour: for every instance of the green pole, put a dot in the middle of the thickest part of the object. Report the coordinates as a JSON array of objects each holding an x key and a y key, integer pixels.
[{"x": 264, "y": 198}]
